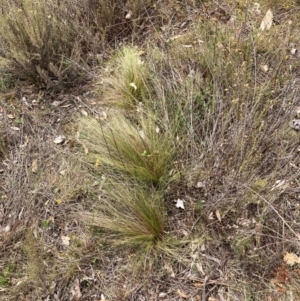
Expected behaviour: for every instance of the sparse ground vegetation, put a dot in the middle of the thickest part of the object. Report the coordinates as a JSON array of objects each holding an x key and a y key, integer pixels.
[{"x": 149, "y": 150}]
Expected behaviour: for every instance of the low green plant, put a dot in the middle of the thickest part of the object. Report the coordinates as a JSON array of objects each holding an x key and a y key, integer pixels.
[
  {"x": 132, "y": 213},
  {"x": 4, "y": 280},
  {"x": 142, "y": 150},
  {"x": 6, "y": 81},
  {"x": 127, "y": 85}
]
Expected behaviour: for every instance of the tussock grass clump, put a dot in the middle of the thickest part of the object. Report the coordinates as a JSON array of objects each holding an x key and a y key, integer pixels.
[
  {"x": 143, "y": 151},
  {"x": 132, "y": 213},
  {"x": 128, "y": 84}
]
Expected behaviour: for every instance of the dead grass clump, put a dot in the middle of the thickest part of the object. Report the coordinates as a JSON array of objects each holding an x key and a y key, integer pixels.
[
  {"x": 144, "y": 151},
  {"x": 246, "y": 152},
  {"x": 231, "y": 98}
]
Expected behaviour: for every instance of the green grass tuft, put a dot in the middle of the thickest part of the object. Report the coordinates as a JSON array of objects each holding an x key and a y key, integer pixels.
[
  {"x": 143, "y": 151},
  {"x": 133, "y": 214},
  {"x": 128, "y": 84}
]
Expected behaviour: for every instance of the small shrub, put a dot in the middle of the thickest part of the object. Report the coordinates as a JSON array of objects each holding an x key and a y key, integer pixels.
[
  {"x": 40, "y": 40},
  {"x": 144, "y": 151},
  {"x": 55, "y": 42}
]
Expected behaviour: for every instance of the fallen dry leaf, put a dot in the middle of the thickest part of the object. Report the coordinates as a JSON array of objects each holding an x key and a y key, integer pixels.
[
  {"x": 197, "y": 284},
  {"x": 211, "y": 216},
  {"x": 75, "y": 290},
  {"x": 84, "y": 112},
  {"x": 293, "y": 51},
  {"x": 128, "y": 16},
  {"x": 59, "y": 139},
  {"x": 264, "y": 68},
  {"x": 97, "y": 163},
  {"x": 58, "y": 201},
  {"x": 63, "y": 172},
  {"x": 26, "y": 140},
  {"x": 267, "y": 20},
  {"x": 174, "y": 38},
  {"x": 218, "y": 215},
  {"x": 34, "y": 165},
  {"x": 65, "y": 240},
  {"x": 213, "y": 299},
  {"x": 182, "y": 294},
  {"x": 162, "y": 295},
  {"x": 291, "y": 259},
  {"x": 179, "y": 203},
  {"x": 86, "y": 150}
]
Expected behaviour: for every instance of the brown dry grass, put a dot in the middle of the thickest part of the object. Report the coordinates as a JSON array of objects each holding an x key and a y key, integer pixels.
[{"x": 237, "y": 157}]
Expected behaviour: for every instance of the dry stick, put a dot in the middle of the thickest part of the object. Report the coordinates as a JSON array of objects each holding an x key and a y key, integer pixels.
[
  {"x": 204, "y": 286},
  {"x": 272, "y": 207}
]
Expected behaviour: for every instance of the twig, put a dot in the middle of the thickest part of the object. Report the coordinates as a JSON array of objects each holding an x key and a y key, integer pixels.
[{"x": 272, "y": 207}]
